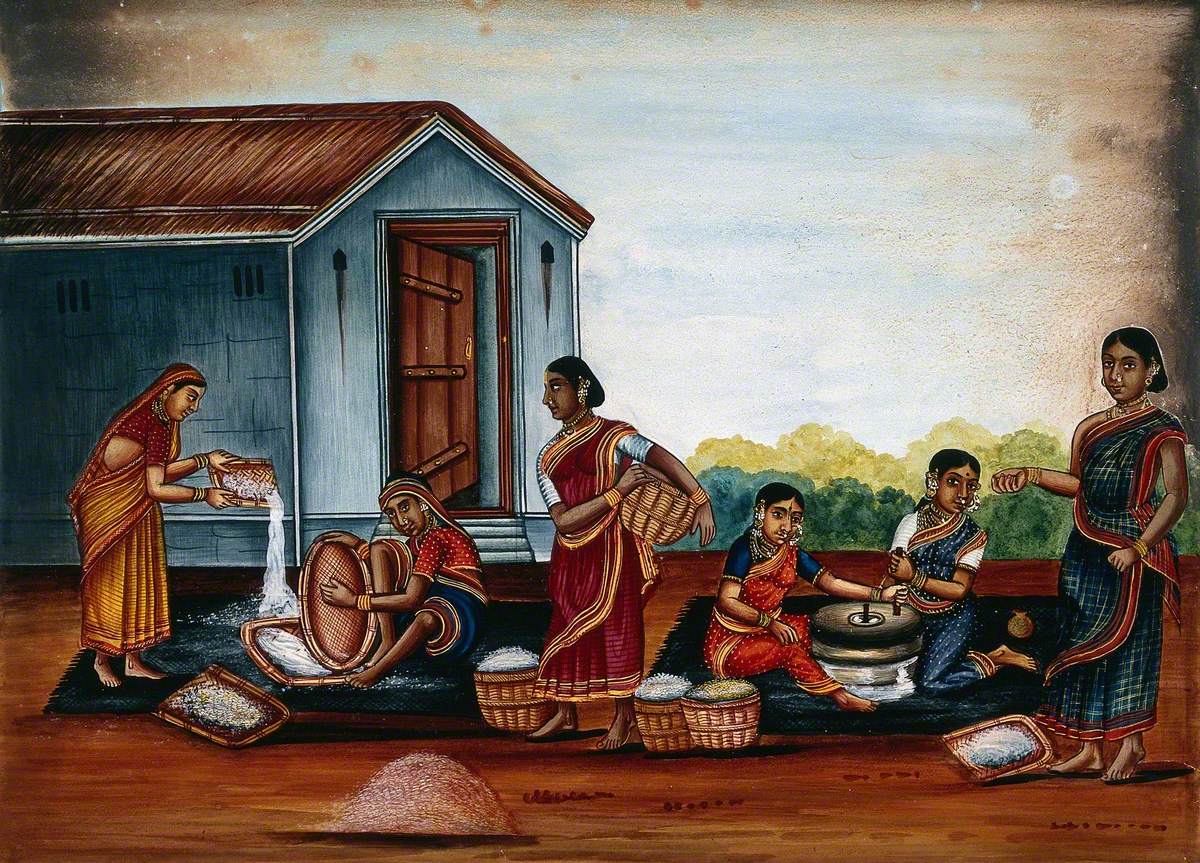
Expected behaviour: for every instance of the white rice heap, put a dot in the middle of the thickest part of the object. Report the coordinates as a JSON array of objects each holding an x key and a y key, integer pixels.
[
  {"x": 509, "y": 659},
  {"x": 278, "y": 600},
  {"x": 425, "y": 794},
  {"x": 998, "y": 746},
  {"x": 289, "y": 652},
  {"x": 663, "y": 687},
  {"x": 728, "y": 689},
  {"x": 246, "y": 487},
  {"x": 218, "y": 706}
]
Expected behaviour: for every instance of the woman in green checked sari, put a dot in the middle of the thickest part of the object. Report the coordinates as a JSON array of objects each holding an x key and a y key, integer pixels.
[{"x": 1120, "y": 565}]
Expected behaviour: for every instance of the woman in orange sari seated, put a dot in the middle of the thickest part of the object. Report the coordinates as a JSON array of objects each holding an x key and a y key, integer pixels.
[
  {"x": 115, "y": 505},
  {"x": 749, "y": 633}
]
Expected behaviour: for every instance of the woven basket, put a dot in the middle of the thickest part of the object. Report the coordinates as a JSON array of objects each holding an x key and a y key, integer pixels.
[
  {"x": 256, "y": 469},
  {"x": 723, "y": 724},
  {"x": 277, "y": 713},
  {"x": 662, "y": 725},
  {"x": 507, "y": 700},
  {"x": 1042, "y": 754},
  {"x": 657, "y": 512}
]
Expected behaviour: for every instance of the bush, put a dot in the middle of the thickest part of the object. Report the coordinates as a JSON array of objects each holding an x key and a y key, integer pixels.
[{"x": 846, "y": 514}]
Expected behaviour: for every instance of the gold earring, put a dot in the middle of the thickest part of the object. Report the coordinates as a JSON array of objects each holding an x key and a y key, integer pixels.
[
  {"x": 584, "y": 386},
  {"x": 931, "y": 483},
  {"x": 158, "y": 407}
]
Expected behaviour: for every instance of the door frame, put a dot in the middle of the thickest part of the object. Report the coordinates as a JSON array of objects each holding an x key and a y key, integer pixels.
[{"x": 486, "y": 232}]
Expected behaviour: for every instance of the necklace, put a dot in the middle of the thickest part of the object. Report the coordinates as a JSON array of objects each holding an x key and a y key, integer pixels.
[
  {"x": 931, "y": 515},
  {"x": 760, "y": 549},
  {"x": 574, "y": 422},
  {"x": 1120, "y": 410},
  {"x": 160, "y": 414}
]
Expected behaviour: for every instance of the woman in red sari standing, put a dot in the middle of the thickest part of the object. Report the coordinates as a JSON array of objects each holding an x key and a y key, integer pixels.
[{"x": 601, "y": 574}]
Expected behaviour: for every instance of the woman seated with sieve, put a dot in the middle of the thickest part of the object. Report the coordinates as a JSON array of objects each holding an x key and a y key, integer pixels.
[{"x": 429, "y": 586}]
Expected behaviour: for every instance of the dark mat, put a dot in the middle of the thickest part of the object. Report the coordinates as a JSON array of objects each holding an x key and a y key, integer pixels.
[
  {"x": 787, "y": 709},
  {"x": 205, "y": 630}
]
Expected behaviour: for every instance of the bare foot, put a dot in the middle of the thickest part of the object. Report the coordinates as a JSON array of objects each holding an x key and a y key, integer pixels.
[
  {"x": 1125, "y": 764},
  {"x": 848, "y": 701},
  {"x": 1087, "y": 759},
  {"x": 622, "y": 731},
  {"x": 1004, "y": 655},
  {"x": 134, "y": 667},
  {"x": 566, "y": 719},
  {"x": 104, "y": 671}
]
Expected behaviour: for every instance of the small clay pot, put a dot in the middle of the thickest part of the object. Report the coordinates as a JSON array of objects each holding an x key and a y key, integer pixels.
[{"x": 1020, "y": 625}]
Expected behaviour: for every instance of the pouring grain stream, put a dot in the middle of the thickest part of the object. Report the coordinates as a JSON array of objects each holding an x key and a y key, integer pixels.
[{"x": 278, "y": 600}]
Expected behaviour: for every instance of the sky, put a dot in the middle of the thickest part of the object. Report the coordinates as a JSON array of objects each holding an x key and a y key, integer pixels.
[{"x": 871, "y": 216}]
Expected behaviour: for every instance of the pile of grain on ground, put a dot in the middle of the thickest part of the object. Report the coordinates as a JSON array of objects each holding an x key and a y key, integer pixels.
[
  {"x": 663, "y": 687},
  {"x": 425, "y": 794},
  {"x": 508, "y": 659},
  {"x": 722, "y": 689}
]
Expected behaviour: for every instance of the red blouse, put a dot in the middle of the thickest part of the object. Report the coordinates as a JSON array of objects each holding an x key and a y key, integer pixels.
[
  {"x": 149, "y": 431},
  {"x": 445, "y": 555}
]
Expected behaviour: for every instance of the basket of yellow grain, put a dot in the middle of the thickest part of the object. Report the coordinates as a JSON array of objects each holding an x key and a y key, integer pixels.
[
  {"x": 658, "y": 706},
  {"x": 657, "y": 511},
  {"x": 504, "y": 684},
  {"x": 722, "y": 713}
]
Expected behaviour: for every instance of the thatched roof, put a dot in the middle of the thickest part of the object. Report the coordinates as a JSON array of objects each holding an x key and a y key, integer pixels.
[{"x": 255, "y": 170}]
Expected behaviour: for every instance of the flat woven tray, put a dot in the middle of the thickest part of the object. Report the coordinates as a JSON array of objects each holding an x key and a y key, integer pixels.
[
  {"x": 960, "y": 744},
  {"x": 338, "y": 638},
  {"x": 259, "y": 471},
  {"x": 173, "y": 709},
  {"x": 249, "y": 636}
]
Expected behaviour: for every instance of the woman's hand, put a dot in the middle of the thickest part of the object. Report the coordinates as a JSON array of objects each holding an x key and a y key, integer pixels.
[
  {"x": 783, "y": 632},
  {"x": 219, "y": 498},
  {"x": 219, "y": 458},
  {"x": 900, "y": 567},
  {"x": 1123, "y": 559},
  {"x": 703, "y": 519},
  {"x": 896, "y": 593},
  {"x": 635, "y": 476},
  {"x": 1010, "y": 480},
  {"x": 336, "y": 593}
]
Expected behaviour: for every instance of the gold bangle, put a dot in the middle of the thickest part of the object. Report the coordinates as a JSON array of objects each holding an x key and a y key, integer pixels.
[
  {"x": 876, "y": 594},
  {"x": 699, "y": 497},
  {"x": 1141, "y": 548},
  {"x": 363, "y": 602},
  {"x": 918, "y": 580},
  {"x": 612, "y": 497},
  {"x": 764, "y": 619},
  {"x": 201, "y": 461},
  {"x": 199, "y": 494},
  {"x": 1033, "y": 475}
]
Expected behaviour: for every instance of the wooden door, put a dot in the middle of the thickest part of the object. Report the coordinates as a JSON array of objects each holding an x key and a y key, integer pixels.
[{"x": 432, "y": 370}]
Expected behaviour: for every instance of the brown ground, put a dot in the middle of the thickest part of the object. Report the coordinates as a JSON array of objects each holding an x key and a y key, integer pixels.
[{"x": 131, "y": 788}]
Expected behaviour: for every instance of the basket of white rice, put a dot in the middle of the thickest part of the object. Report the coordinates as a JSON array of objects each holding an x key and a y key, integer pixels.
[
  {"x": 722, "y": 713},
  {"x": 659, "y": 711},
  {"x": 504, "y": 682}
]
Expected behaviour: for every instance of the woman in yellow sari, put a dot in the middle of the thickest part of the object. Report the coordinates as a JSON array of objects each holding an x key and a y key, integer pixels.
[{"x": 115, "y": 505}]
